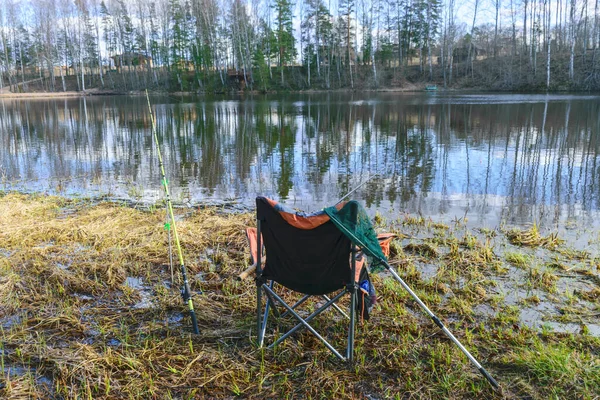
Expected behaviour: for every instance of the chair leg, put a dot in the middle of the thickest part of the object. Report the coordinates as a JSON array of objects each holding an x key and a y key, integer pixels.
[
  {"x": 259, "y": 324},
  {"x": 265, "y": 317},
  {"x": 272, "y": 301},
  {"x": 298, "y": 303},
  {"x": 353, "y": 288},
  {"x": 350, "y": 349},
  {"x": 309, "y": 318},
  {"x": 339, "y": 310},
  {"x": 305, "y": 324}
]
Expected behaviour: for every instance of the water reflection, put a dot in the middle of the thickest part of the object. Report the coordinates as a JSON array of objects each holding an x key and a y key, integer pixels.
[{"x": 516, "y": 158}]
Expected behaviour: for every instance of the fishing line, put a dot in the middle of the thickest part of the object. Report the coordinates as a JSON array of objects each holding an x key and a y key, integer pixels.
[{"x": 371, "y": 176}]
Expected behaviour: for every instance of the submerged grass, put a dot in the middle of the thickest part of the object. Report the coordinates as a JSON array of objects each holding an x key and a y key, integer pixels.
[
  {"x": 532, "y": 238},
  {"x": 518, "y": 259},
  {"x": 88, "y": 310}
]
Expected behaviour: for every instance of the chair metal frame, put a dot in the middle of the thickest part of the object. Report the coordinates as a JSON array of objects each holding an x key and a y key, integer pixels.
[{"x": 272, "y": 298}]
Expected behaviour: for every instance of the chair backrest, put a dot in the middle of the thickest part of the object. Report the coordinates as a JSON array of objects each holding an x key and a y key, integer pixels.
[{"x": 307, "y": 254}]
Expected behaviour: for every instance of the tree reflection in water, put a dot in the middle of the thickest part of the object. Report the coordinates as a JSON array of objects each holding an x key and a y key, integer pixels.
[{"x": 512, "y": 157}]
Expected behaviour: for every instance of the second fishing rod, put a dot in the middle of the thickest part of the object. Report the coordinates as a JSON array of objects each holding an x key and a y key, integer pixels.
[{"x": 186, "y": 293}]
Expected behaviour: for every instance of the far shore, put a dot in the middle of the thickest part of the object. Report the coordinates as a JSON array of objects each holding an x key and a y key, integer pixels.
[
  {"x": 42, "y": 95},
  {"x": 407, "y": 89},
  {"x": 101, "y": 92}
]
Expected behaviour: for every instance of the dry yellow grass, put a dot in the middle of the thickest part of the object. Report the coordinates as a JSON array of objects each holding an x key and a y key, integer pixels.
[{"x": 72, "y": 328}]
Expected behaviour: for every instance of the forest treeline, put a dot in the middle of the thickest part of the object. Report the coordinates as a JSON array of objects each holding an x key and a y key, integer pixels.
[{"x": 263, "y": 45}]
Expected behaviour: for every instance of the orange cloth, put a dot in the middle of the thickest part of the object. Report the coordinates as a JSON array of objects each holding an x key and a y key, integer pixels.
[
  {"x": 384, "y": 241},
  {"x": 252, "y": 235}
]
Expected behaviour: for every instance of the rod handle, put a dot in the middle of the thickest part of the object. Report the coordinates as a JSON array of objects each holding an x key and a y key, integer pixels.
[
  {"x": 247, "y": 272},
  {"x": 194, "y": 322},
  {"x": 244, "y": 275},
  {"x": 489, "y": 378}
]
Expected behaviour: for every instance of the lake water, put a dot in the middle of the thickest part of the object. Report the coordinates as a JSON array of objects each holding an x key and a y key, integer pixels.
[{"x": 494, "y": 158}]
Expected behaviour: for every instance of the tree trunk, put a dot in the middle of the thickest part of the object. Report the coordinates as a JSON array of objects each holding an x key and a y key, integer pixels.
[
  {"x": 23, "y": 83},
  {"x": 452, "y": 32},
  {"x": 525, "y": 25},
  {"x": 82, "y": 72},
  {"x": 534, "y": 39},
  {"x": 558, "y": 25},
  {"x": 442, "y": 55},
  {"x": 62, "y": 78},
  {"x": 585, "y": 32},
  {"x": 308, "y": 59},
  {"x": 430, "y": 61},
  {"x": 318, "y": 48},
  {"x": 349, "y": 46},
  {"x": 572, "y": 38},
  {"x": 100, "y": 70},
  {"x": 497, "y": 4},
  {"x": 469, "y": 53},
  {"x": 547, "y": 5},
  {"x": 596, "y": 41},
  {"x": 8, "y": 73},
  {"x": 514, "y": 28}
]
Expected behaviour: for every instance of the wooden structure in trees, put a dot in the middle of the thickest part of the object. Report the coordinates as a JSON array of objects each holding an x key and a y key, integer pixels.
[
  {"x": 239, "y": 78},
  {"x": 131, "y": 60}
]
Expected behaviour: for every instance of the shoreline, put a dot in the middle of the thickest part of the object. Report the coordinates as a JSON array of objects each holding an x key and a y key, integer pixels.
[
  {"x": 58, "y": 95},
  {"x": 414, "y": 90}
]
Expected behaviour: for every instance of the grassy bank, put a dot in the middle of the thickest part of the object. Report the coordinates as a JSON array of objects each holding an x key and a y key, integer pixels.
[{"x": 87, "y": 310}]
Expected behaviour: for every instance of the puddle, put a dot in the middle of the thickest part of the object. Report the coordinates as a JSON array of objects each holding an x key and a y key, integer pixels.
[
  {"x": 532, "y": 318},
  {"x": 66, "y": 213},
  {"x": 143, "y": 290},
  {"x": 593, "y": 329},
  {"x": 63, "y": 266},
  {"x": 6, "y": 253},
  {"x": 200, "y": 276},
  {"x": 175, "y": 319},
  {"x": 10, "y": 321},
  {"x": 484, "y": 310},
  {"x": 145, "y": 301},
  {"x": 428, "y": 271},
  {"x": 16, "y": 371},
  {"x": 570, "y": 284},
  {"x": 134, "y": 283},
  {"x": 539, "y": 317}
]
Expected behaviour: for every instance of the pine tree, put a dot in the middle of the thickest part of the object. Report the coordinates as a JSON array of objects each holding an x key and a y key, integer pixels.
[
  {"x": 284, "y": 34},
  {"x": 346, "y": 8}
]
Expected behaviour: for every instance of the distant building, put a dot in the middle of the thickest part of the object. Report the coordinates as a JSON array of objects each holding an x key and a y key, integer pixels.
[
  {"x": 184, "y": 65},
  {"x": 461, "y": 54},
  {"x": 131, "y": 59},
  {"x": 238, "y": 77}
]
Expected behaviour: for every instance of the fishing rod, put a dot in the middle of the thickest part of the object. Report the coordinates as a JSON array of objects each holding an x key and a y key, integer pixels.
[
  {"x": 186, "y": 293},
  {"x": 371, "y": 176},
  {"x": 423, "y": 306},
  {"x": 354, "y": 239}
]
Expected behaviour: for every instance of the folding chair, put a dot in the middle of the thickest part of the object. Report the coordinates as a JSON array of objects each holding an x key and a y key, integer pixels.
[{"x": 305, "y": 253}]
